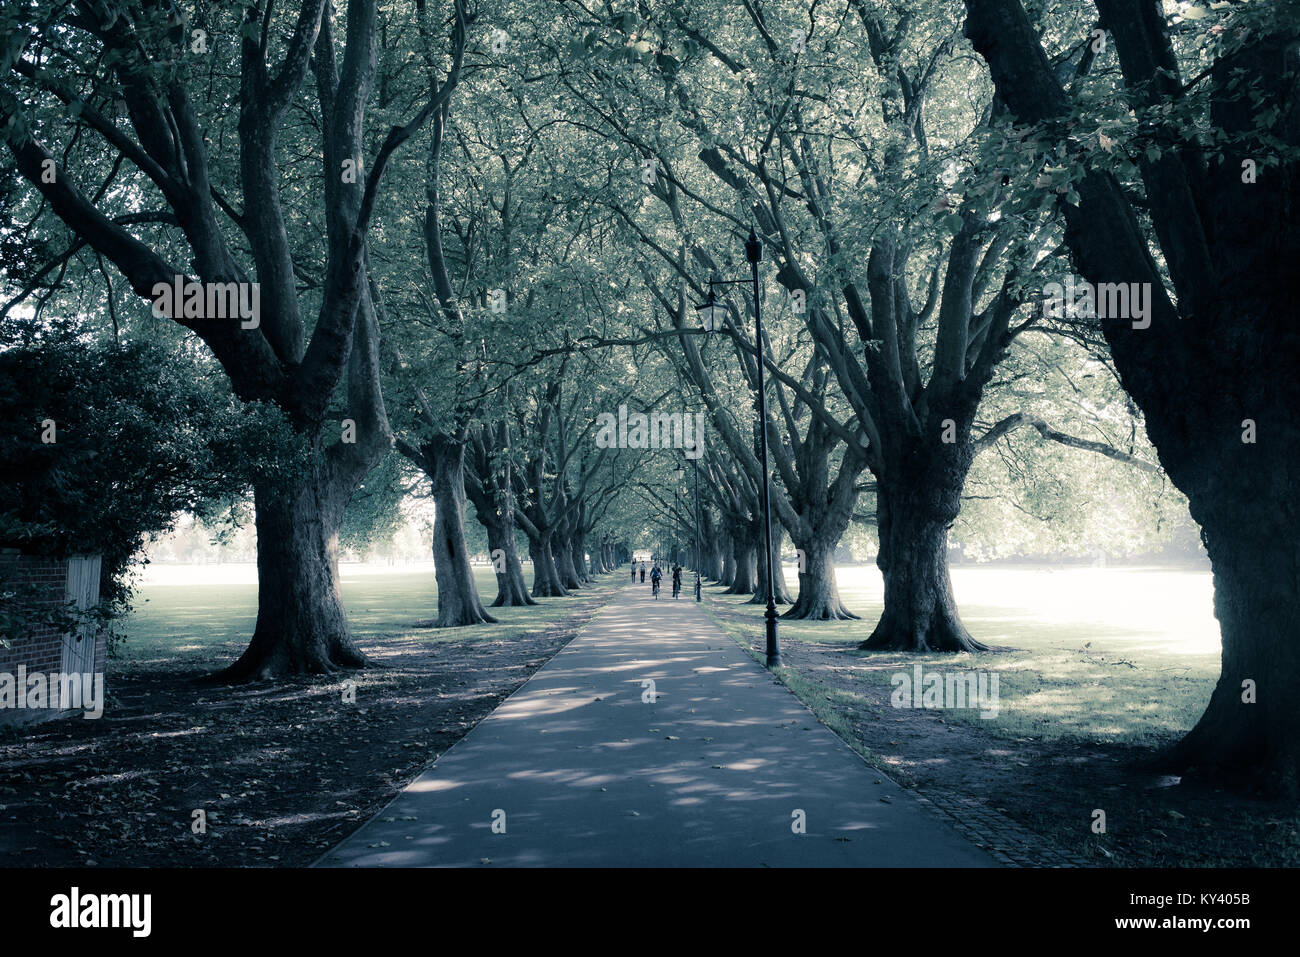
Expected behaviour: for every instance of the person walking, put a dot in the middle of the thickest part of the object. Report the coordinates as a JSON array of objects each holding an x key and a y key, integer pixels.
[
  {"x": 634, "y": 573},
  {"x": 643, "y": 573},
  {"x": 677, "y": 580}
]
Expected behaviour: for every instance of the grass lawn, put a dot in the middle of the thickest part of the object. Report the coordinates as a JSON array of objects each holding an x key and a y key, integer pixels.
[
  {"x": 1115, "y": 654},
  {"x": 205, "y": 624}
]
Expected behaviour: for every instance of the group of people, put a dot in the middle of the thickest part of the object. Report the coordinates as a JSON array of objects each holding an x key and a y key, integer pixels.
[{"x": 656, "y": 576}]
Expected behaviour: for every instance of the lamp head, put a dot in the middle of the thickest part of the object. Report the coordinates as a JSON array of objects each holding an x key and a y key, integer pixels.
[{"x": 713, "y": 314}]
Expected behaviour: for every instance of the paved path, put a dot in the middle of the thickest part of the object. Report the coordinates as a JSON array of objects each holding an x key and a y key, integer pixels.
[{"x": 583, "y": 773}]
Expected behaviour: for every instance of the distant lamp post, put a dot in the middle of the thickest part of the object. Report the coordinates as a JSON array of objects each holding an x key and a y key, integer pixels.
[
  {"x": 713, "y": 316},
  {"x": 677, "y": 506},
  {"x": 699, "y": 542}
]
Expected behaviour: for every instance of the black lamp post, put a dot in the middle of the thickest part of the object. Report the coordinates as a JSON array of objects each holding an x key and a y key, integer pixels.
[
  {"x": 677, "y": 506},
  {"x": 699, "y": 543},
  {"x": 713, "y": 314}
]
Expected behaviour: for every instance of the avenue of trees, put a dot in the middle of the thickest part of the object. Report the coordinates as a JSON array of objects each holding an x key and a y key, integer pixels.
[{"x": 479, "y": 230}]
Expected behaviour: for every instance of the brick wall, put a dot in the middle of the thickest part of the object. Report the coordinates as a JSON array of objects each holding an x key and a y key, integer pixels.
[{"x": 41, "y": 648}]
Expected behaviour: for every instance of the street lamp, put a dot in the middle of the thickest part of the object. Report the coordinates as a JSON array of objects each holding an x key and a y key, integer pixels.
[
  {"x": 712, "y": 316},
  {"x": 677, "y": 506},
  {"x": 699, "y": 543}
]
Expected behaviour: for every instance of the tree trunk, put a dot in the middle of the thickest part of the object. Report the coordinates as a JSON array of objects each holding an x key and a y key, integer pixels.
[
  {"x": 458, "y": 598},
  {"x": 512, "y": 590},
  {"x": 562, "y": 550},
  {"x": 301, "y": 627},
  {"x": 710, "y": 548},
  {"x": 546, "y": 577},
  {"x": 745, "y": 580},
  {"x": 491, "y": 489},
  {"x": 920, "y": 613},
  {"x": 819, "y": 598},
  {"x": 1250, "y": 532},
  {"x": 728, "y": 576},
  {"x": 578, "y": 547}
]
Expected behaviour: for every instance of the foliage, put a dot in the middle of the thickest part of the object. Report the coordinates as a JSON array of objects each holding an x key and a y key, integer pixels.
[{"x": 105, "y": 444}]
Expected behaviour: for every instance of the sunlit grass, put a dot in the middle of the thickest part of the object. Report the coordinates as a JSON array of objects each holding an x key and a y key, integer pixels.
[
  {"x": 202, "y": 624},
  {"x": 1107, "y": 654}
]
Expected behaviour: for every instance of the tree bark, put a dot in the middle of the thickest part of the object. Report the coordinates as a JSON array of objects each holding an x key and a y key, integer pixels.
[
  {"x": 578, "y": 549},
  {"x": 512, "y": 590},
  {"x": 1254, "y": 547},
  {"x": 546, "y": 577},
  {"x": 301, "y": 627},
  {"x": 711, "y": 548},
  {"x": 492, "y": 495},
  {"x": 458, "y": 598},
  {"x": 728, "y": 576},
  {"x": 745, "y": 563},
  {"x": 819, "y": 597},
  {"x": 913, "y": 516},
  {"x": 562, "y": 550}
]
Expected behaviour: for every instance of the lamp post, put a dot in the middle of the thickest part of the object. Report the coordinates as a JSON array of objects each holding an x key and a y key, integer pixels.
[
  {"x": 699, "y": 543},
  {"x": 712, "y": 315},
  {"x": 677, "y": 506}
]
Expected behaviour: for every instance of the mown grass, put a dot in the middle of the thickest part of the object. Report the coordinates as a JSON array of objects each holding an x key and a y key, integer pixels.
[
  {"x": 1099, "y": 677},
  {"x": 200, "y": 624}
]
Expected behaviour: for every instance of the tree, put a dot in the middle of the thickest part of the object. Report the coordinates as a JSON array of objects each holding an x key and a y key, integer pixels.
[
  {"x": 1205, "y": 172},
  {"x": 141, "y": 59}
]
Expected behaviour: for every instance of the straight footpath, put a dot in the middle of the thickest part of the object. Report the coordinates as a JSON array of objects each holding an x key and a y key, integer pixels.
[{"x": 653, "y": 740}]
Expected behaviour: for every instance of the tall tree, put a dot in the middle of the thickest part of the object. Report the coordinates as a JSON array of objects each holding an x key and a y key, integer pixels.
[
  {"x": 1207, "y": 175},
  {"x": 92, "y": 56}
]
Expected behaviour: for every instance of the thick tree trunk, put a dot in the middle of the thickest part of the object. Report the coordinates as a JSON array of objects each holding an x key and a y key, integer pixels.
[
  {"x": 546, "y": 577},
  {"x": 491, "y": 491},
  {"x": 819, "y": 598},
  {"x": 458, "y": 598},
  {"x": 728, "y": 576},
  {"x": 578, "y": 548},
  {"x": 301, "y": 627},
  {"x": 745, "y": 580},
  {"x": 710, "y": 548},
  {"x": 1251, "y": 727},
  {"x": 1223, "y": 356},
  {"x": 512, "y": 590},
  {"x": 562, "y": 550},
  {"x": 920, "y": 613}
]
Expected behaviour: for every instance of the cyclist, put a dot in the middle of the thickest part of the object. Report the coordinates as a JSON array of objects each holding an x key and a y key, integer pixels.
[
  {"x": 656, "y": 575},
  {"x": 677, "y": 580}
]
